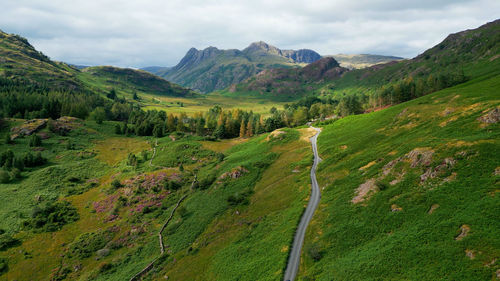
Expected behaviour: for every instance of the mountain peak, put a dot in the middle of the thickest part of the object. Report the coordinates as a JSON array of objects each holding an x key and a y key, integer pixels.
[{"x": 262, "y": 46}]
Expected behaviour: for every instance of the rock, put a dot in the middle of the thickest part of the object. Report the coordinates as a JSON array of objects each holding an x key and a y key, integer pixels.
[
  {"x": 28, "y": 128},
  {"x": 471, "y": 254},
  {"x": 490, "y": 117},
  {"x": 234, "y": 173},
  {"x": 364, "y": 191},
  {"x": 430, "y": 173},
  {"x": 433, "y": 208},
  {"x": 103, "y": 252},
  {"x": 396, "y": 208},
  {"x": 464, "y": 231},
  {"x": 420, "y": 157}
]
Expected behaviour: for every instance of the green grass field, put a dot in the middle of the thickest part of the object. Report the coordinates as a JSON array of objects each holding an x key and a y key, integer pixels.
[{"x": 404, "y": 227}]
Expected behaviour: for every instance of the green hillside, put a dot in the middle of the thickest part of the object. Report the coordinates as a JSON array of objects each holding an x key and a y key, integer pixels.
[
  {"x": 21, "y": 64},
  {"x": 411, "y": 192},
  {"x": 131, "y": 80}
]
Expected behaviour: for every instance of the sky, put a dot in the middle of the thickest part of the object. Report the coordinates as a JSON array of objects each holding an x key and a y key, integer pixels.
[{"x": 159, "y": 32}]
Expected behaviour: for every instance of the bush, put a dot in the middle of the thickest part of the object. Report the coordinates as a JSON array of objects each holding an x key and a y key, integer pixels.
[
  {"x": 87, "y": 243},
  {"x": 172, "y": 185},
  {"x": 3, "y": 266},
  {"x": 206, "y": 181},
  {"x": 4, "y": 176},
  {"x": 52, "y": 216},
  {"x": 7, "y": 139},
  {"x": 314, "y": 251},
  {"x": 116, "y": 184},
  {"x": 7, "y": 241},
  {"x": 239, "y": 198}
]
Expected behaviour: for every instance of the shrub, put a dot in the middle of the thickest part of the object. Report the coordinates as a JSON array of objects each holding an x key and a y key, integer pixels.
[
  {"x": 314, "y": 251},
  {"x": 239, "y": 198},
  {"x": 87, "y": 243},
  {"x": 52, "y": 216},
  {"x": 4, "y": 176},
  {"x": 7, "y": 241},
  {"x": 3, "y": 266},
  {"x": 7, "y": 139},
  {"x": 116, "y": 184}
]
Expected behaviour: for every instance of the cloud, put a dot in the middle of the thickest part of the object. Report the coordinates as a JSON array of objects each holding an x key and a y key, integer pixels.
[{"x": 153, "y": 32}]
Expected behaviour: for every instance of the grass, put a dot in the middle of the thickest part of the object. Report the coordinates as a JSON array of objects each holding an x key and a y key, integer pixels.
[{"x": 368, "y": 241}]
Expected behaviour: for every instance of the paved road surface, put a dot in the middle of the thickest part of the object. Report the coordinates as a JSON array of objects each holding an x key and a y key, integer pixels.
[{"x": 298, "y": 241}]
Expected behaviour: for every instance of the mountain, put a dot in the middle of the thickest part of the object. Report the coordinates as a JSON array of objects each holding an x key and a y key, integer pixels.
[
  {"x": 288, "y": 83},
  {"x": 214, "y": 69},
  {"x": 363, "y": 60},
  {"x": 461, "y": 56}
]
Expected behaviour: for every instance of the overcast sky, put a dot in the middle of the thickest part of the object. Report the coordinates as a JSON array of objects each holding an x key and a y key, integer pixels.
[{"x": 159, "y": 32}]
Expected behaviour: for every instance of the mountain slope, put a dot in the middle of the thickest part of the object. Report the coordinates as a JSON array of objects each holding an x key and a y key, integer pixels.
[
  {"x": 411, "y": 192},
  {"x": 461, "y": 56},
  {"x": 362, "y": 60},
  {"x": 288, "y": 84},
  {"x": 212, "y": 69},
  {"x": 21, "y": 63},
  {"x": 131, "y": 80}
]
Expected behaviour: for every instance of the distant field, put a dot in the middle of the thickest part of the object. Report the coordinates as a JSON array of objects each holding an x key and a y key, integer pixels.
[{"x": 194, "y": 105}]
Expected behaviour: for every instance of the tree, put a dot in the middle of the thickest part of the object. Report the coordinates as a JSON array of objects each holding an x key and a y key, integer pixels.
[
  {"x": 249, "y": 129},
  {"x": 242, "y": 129},
  {"x": 135, "y": 96},
  {"x": 35, "y": 140},
  {"x": 98, "y": 115},
  {"x": 350, "y": 105},
  {"x": 158, "y": 131},
  {"x": 118, "y": 129},
  {"x": 8, "y": 140},
  {"x": 171, "y": 123},
  {"x": 112, "y": 94}
]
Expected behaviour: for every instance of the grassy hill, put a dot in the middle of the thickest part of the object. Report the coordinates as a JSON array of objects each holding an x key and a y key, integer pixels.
[
  {"x": 131, "y": 80},
  {"x": 411, "y": 192},
  {"x": 213, "y": 69},
  {"x": 21, "y": 63}
]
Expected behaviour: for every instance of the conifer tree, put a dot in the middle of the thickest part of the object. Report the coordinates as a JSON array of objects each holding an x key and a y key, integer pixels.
[{"x": 242, "y": 129}]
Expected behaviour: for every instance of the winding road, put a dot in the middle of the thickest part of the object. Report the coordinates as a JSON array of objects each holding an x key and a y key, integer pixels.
[{"x": 294, "y": 258}]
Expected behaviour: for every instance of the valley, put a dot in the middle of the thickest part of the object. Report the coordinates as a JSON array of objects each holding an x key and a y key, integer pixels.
[{"x": 253, "y": 164}]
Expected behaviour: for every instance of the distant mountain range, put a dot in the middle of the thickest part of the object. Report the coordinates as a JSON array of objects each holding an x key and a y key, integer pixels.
[{"x": 214, "y": 69}]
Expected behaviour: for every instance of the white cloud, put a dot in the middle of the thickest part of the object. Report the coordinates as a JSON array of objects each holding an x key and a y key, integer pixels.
[{"x": 154, "y": 32}]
